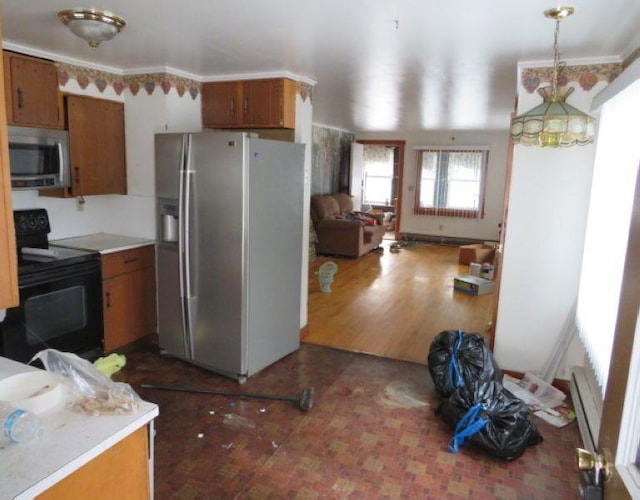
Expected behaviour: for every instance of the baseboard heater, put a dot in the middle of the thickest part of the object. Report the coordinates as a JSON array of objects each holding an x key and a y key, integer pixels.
[
  {"x": 441, "y": 240},
  {"x": 586, "y": 406}
]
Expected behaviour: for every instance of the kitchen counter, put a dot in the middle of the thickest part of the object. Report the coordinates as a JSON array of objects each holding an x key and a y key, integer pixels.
[
  {"x": 69, "y": 441},
  {"x": 103, "y": 242}
]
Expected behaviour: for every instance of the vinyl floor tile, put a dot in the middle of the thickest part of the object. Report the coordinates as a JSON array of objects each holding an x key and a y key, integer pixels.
[{"x": 371, "y": 433}]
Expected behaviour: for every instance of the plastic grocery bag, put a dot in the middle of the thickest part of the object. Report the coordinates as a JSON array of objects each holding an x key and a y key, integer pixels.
[
  {"x": 490, "y": 417},
  {"x": 457, "y": 359},
  {"x": 90, "y": 391}
]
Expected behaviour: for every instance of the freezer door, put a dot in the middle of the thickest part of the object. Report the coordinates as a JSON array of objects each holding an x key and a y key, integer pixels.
[
  {"x": 170, "y": 318},
  {"x": 168, "y": 151},
  {"x": 218, "y": 189}
]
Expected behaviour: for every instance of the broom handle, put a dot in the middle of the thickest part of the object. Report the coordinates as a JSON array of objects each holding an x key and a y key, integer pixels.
[{"x": 218, "y": 393}]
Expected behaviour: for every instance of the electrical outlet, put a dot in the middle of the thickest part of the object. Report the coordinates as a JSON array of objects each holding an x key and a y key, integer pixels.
[{"x": 440, "y": 227}]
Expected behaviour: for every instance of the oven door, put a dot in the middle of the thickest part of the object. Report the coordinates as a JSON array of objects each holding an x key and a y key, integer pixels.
[{"x": 59, "y": 308}]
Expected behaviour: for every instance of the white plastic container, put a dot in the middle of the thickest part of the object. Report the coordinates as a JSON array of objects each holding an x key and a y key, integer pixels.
[{"x": 35, "y": 391}]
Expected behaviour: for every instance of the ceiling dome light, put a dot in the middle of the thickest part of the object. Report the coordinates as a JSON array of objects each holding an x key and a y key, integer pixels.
[
  {"x": 92, "y": 25},
  {"x": 554, "y": 122}
]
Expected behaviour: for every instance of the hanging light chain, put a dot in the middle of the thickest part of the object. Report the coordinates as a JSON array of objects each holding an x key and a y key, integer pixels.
[{"x": 556, "y": 61}]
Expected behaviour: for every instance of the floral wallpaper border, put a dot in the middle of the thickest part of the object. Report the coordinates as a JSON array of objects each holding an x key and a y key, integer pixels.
[
  {"x": 585, "y": 75},
  {"x": 148, "y": 81}
]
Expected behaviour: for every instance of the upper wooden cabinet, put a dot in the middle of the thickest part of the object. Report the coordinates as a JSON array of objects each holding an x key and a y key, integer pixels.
[
  {"x": 221, "y": 104},
  {"x": 268, "y": 103},
  {"x": 96, "y": 146},
  {"x": 32, "y": 95}
]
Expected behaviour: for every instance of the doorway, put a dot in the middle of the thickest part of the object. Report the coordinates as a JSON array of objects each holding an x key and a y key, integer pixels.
[{"x": 381, "y": 180}]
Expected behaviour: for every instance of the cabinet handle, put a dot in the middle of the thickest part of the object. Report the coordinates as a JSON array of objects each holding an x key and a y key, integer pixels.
[
  {"x": 20, "y": 97},
  {"x": 130, "y": 261},
  {"x": 233, "y": 106},
  {"x": 108, "y": 295},
  {"x": 77, "y": 175},
  {"x": 246, "y": 104}
]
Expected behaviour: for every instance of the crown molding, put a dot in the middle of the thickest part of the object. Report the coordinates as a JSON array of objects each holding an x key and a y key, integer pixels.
[
  {"x": 255, "y": 76},
  {"x": 23, "y": 49},
  {"x": 149, "y": 78},
  {"x": 579, "y": 61},
  {"x": 164, "y": 70}
]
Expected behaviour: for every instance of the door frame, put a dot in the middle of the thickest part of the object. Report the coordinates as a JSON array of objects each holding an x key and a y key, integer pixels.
[
  {"x": 399, "y": 178},
  {"x": 618, "y": 420},
  {"x": 497, "y": 278}
]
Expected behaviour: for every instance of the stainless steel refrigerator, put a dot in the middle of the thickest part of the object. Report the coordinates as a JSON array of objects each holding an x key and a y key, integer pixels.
[{"x": 229, "y": 257}]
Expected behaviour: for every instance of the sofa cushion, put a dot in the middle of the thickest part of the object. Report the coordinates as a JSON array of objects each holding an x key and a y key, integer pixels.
[
  {"x": 344, "y": 202},
  {"x": 324, "y": 207}
]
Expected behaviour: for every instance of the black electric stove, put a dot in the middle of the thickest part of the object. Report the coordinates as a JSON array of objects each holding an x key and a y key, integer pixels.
[
  {"x": 32, "y": 229},
  {"x": 60, "y": 295}
]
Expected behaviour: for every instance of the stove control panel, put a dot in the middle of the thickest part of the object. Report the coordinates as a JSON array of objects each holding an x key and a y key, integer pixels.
[{"x": 31, "y": 222}]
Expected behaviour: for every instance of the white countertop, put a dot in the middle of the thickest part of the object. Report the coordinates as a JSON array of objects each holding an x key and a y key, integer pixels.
[
  {"x": 70, "y": 440},
  {"x": 103, "y": 242}
]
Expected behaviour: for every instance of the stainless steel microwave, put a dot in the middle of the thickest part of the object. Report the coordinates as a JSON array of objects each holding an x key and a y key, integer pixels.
[{"x": 38, "y": 158}]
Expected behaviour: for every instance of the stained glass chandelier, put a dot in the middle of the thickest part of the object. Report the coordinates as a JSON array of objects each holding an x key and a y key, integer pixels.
[{"x": 554, "y": 123}]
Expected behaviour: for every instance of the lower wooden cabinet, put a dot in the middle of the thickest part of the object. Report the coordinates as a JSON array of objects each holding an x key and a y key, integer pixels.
[
  {"x": 121, "y": 471},
  {"x": 128, "y": 295}
]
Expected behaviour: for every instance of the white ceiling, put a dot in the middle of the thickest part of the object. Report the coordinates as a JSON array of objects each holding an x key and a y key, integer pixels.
[{"x": 386, "y": 65}]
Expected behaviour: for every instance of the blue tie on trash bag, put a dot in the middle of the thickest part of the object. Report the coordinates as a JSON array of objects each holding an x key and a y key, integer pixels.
[
  {"x": 454, "y": 370},
  {"x": 469, "y": 424}
]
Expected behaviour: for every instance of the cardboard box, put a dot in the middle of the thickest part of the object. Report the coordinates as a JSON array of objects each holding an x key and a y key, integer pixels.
[
  {"x": 476, "y": 253},
  {"x": 474, "y": 285}
]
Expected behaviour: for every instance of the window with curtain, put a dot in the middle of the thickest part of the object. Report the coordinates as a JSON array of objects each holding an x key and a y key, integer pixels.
[
  {"x": 379, "y": 174},
  {"x": 615, "y": 169},
  {"x": 451, "y": 182}
]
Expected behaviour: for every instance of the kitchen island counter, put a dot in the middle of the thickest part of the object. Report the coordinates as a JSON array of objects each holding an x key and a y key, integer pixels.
[
  {"x": 103, "y": 242},
  {"x": 70, "y": 443}
]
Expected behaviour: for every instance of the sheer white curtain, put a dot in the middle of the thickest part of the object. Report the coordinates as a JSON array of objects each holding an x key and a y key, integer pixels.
[{"x": 615, "y": 171}]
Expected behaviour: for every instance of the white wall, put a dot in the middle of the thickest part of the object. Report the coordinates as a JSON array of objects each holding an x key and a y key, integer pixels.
[
  {"x": 481, "y": 229},
  {"x": 545, "y": 231},
  {"x": 134, "y": 213},
  {"x": 303, "y": 135}
]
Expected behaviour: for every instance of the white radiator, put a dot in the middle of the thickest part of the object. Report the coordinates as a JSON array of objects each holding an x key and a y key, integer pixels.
[{"x": 587, "y": 403}]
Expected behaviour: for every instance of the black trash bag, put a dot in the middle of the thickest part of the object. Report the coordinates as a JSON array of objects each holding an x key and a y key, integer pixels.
[
  {"x": 491, "y": 418},
  {"x": 457, "y": 358}
]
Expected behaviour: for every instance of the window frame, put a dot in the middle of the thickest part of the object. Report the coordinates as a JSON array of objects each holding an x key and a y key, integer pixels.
[
  {"x": 393, "y": 179},
  {"x": 478, "y": 213}
]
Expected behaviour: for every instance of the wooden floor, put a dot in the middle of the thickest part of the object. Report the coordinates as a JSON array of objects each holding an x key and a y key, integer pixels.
[{"x": 393, "y": 303}]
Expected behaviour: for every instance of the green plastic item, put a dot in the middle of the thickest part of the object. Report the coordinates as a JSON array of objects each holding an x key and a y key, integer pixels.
[{"x": 110, "y": 364}]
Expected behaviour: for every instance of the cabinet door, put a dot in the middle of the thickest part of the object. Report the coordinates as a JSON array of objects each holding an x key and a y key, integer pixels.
[
  {"x": 112, "y": 154},
  {"x": 220, "y": 104},
  {"x": 269, "y": 103},
  {"x": 143, "y": 303},
  {"x": 121, "y": 471},
  {"x": 8, "y": 265},
  {"x": 32, "y": 96},
  {"x": 97, "y": 146},
  {"x": 260, "y": 100},
  {"x": 117, "y": 311},
  {"x": 129, "y": 296}
]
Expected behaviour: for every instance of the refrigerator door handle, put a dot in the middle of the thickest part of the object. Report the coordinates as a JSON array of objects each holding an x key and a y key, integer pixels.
[{"x": 183, "y": 228}]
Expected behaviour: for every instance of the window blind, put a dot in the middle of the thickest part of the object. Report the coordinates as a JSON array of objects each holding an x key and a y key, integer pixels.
[
  {"x": 451, "y": 182},
  {"x": 615, "y": 171}
]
